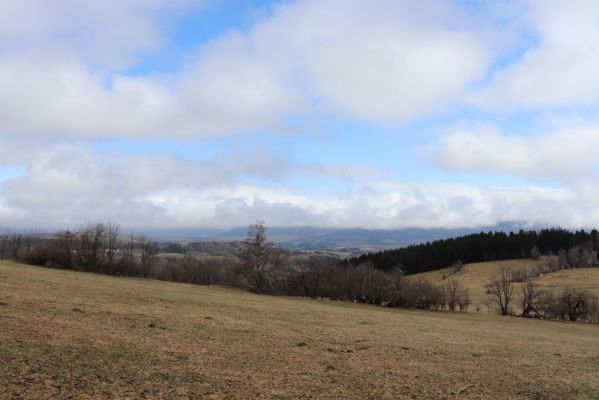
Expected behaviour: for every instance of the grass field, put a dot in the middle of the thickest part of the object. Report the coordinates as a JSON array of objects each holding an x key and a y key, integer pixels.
[
  {"x": 584, "y": 279},
  {"x": 76, "y": 335},
  {"x": 474, "y": 276}
]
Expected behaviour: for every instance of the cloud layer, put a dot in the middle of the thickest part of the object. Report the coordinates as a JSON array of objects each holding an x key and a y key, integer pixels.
[
  {"x": 388, "y": 63},
  {"x": 566, "y": 154},
  {"x": 559, "y": 69},
  {"x": 64, "y": 185},
  {"x": 503, "y": 90}
]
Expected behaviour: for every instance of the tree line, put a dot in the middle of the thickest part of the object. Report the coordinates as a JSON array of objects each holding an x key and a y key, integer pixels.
[
  {"x": 265, "y": 269},
  {"x": 508, "y": 288},
  {"x": 94, "y": 247},
  {"x": 483, "y": 246},
  {"x": 262, "y": 268}
]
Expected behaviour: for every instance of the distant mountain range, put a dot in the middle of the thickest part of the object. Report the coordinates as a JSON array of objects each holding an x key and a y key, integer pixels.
[{"x": 334, "y": 239}]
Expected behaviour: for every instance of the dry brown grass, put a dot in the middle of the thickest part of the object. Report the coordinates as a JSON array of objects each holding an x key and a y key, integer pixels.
[
  {"x": 76, "y": 335},
  {"x": 583, "y": 279},
  {"x": 474, "y": 276}
]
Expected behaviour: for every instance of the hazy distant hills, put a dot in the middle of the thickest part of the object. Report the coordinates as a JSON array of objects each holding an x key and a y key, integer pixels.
[{"x": 353, "y": 240}]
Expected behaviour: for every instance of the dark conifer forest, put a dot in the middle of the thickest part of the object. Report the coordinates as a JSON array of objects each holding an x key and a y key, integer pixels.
[{"x": 483, "y": 246}]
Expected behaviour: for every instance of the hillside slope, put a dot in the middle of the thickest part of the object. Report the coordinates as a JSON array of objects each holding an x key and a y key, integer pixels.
[
  {"x": 583, "y": 279},
  {"x": 68, "y": 334},
  {"x": 474, "y": 276}
]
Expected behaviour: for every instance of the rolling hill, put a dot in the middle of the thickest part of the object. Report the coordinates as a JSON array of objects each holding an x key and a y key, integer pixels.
[
  {"x": 474, "y": 276},
  {"x": 69, "y": 334}
]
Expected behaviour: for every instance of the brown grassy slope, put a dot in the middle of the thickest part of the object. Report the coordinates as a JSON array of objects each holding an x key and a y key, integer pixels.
[
  {"x": 77, "y": 335},
  {"x": 583, "y": 279},
  {"x": 474, "y": 276}
]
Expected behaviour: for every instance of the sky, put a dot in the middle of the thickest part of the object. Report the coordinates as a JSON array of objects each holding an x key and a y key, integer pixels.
[{"x": 338, "y": 113}]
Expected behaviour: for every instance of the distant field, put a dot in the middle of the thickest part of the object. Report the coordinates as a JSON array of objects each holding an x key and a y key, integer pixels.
[
  {"x": 585, "y": 279},
  {"x": 474, "y": 277},
  {"x": 66, "y": 334}
]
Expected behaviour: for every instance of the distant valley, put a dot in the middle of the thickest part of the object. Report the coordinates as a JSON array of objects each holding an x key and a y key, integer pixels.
[{"x": 338, "y": 240}]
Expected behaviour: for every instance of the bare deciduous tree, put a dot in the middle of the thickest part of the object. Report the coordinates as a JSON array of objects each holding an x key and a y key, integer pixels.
[
  {"x": 148, "y": 249},
  {"x": 112, "y": 236},
  {"x": 65, "y": 245},
  {"x": 395, "y": 279},
  {"x": 531, "y": 296},
  {"x": 15, "y": 243},
  {"x": 91, "y": 243},
  {"x": 574, "y": 304},
  {"x": 455, "y": 295},
  {"x": 501, "y": 290},
  {"x": 464, "y": 300},
  {"x": 452, "y": 290},
  {"x": 259, "y": 259},
  {"x": 3, "y": 246},
  {"x": 129, "y": 255}
]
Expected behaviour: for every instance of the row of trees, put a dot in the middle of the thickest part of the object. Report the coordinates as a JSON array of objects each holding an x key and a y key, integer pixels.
[
  {"x": 571, "y": 304},
  {"x": 96, "y": 247},
  {"x": 484, "y": 246},
  {"x": 265, "y": 269}
]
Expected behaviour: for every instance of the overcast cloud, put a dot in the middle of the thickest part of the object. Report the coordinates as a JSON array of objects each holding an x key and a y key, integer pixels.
[{"x": 293, "y": 117}]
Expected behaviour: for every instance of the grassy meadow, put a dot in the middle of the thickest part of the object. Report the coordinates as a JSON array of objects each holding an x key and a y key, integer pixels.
[
  {"x": 67, "y": 334},
  {"x": 583, "y": 278},
  {"x": 474, "y": 276}
]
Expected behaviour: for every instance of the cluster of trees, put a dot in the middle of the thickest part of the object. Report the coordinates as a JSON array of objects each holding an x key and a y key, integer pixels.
[
  {"x": 265, "y": 269},
  {"x": 570, "y": 305},
  {"x": 96, "y": 247},
  {"x": 485, "y": 246},
  {"x": 188, "y": 268},
  {"x": 315, "y": 278}
]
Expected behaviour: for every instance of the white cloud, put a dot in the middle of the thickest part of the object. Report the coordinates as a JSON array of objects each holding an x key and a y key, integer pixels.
[
  {"x": 104, "y": 33},
  {"x": 70, "y": 185},
  {"x": 388, "y": 62},
  {"x": 63, "y": 74},
  {"x": 566, "y": 154},
  {"x": 61, "y": 65},
  {"x": 391, "y": 205},
  {"x": 560, "y": 69}
]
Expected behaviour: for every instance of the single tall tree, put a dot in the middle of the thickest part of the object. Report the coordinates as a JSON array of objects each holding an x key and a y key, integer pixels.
[
  {"x": 501, "y": 290},
  {"x": 455, "y": 294},
  {"x": 531, "y": 296},
  {"x": 259, "y": 259}
]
